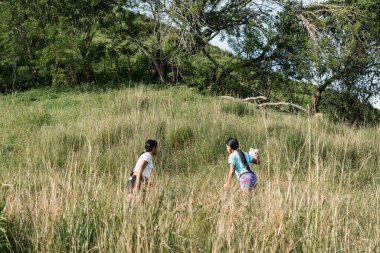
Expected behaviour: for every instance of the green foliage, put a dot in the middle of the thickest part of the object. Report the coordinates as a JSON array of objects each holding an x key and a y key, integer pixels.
[
  {"x": 7, "y": 149},
  {"x": 3, "y": 229},
  {"x": 101, "y": 44},
  {"x": 180, "y": 138},
  {"x": 144, "y": 104},
  {"x": 328, "y": 45},
  {"x": 72, "y": 141},
  {"x": 50, "y": 43},
  {"x": 239, "y": 109},
  {"x": 341, "y": 106},
  {"x": 295, "y": 142},
  {"x": 113, "y": 136},
  {"x": 40, "y": 120},
  {"x": 161, "y": 131}
]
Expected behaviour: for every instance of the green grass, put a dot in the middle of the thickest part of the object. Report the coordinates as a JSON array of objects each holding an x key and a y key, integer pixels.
[{"x": 67, "y": 156}]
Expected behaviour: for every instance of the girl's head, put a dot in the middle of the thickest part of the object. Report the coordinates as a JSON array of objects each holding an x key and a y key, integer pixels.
[
  {"x": 151, "y": 147},
  {"x": 232, "y": 144}
]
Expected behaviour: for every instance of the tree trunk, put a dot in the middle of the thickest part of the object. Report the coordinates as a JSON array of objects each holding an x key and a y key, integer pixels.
[
  {"x": 160, "y": 69},
  {"x": 14, "y": 73},
  {"x": 156, "y": 62},
  {"x": 55, "y": 72},
  {"x": 129, "y": 70},
  {"x": 317, "y": 99},
  {"x": 268, "y": 89}
]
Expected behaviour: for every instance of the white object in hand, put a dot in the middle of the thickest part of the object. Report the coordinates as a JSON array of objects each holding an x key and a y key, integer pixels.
[{"x": 253, "y": 152}]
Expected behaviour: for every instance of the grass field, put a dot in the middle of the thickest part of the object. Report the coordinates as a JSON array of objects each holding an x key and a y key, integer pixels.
[{"x": 65, "y": 158}]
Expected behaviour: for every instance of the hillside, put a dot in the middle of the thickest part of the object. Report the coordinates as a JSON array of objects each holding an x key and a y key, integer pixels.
[
  {"x": 108, "y": 44},
  {"x": 65, "y": 158}
]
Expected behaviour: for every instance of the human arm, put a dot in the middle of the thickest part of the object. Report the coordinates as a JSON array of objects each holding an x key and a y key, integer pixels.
[
  {"x": 256, "y": 159},
  {"x": 139, "y": 175},
  {"x": 254, "y": 156},
  {"x": 230, "y": 176}
]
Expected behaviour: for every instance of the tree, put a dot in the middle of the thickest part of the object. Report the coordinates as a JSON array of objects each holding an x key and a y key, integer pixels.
[
  {"x": 198, "y": 22},
  {"x": 174, "y": 30},
  {"x": 343, "y": 51},
  {"x": 333, "y": 45},
  {"x": 45, "y": 39}
]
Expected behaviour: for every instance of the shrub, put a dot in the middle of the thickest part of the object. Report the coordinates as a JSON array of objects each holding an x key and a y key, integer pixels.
[
  {"x": 240, "y": 109},
  {"x": 60, "y": 148},
  {"x": 3, "y": 222},
  {"x": 144, "y": 104},
  {"x": 217, "y": 146},
  {"x": 161, "y": 131},
  {"x": 340, "y": 106},
  {"x": 294, "y": 140},
  {"x": 3, "y": 225},
  {"x": 277, "y": 129},
  {"x": 113, "y": 136},
  {"x": 36, "y": 121},
  {"x": 6, "y": 149},
  {"x": 73, "y": 141},
  {"x": 180, "y": 137}
]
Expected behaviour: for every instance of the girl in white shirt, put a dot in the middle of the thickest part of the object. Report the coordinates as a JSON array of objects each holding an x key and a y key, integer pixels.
[{"x": 143, "y": 168}]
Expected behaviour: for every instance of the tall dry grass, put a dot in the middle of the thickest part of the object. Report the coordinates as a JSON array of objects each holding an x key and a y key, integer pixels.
[{"x": 67, "y": 157}]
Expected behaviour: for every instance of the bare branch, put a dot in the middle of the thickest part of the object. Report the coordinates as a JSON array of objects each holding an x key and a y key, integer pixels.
[
  {"x": 264, "y": 105},
  {"x": 250, "y": 99},
  {"x": 283, "y": 103}
]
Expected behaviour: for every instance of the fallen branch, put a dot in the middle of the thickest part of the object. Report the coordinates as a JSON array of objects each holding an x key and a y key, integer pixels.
[
  {"x": 283, "y": 103},
  {"x": 250, "y": 99},
  {"x": 228, "y": 97}
]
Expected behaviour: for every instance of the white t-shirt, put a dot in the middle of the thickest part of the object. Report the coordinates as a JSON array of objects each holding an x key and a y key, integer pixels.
[{"x": 149, "y": 167}]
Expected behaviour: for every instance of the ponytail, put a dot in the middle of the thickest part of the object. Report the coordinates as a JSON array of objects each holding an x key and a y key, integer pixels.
[
  {"x": 149, "y": 145},
  {"x": 244, "y": 160}
]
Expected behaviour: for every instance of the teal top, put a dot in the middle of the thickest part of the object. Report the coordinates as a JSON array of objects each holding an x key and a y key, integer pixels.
[{"x": 234, "y": 158}]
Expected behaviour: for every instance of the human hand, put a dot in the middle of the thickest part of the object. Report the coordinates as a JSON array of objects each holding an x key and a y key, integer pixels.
[{"x": 254, "y": 153}]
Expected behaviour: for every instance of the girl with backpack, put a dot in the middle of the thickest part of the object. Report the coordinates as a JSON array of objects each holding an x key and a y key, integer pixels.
[
  {"x": 239, "y": 162},
  {"x": 140, "y": 174}
]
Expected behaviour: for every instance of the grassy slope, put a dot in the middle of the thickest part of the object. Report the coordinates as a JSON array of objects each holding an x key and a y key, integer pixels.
[{"x": 67, "y": 156}]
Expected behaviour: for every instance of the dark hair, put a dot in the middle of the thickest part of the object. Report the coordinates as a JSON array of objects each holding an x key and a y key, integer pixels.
[
  {"x": 234, "y": 144},
  {"x": 149, "y": 145}
]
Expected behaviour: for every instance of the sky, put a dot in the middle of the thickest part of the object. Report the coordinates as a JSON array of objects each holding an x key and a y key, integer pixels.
[{"x": 224, "y": 46}]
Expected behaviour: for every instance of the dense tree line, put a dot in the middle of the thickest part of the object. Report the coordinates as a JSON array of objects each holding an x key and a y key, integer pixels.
[{"x": 280, "y": 47}]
